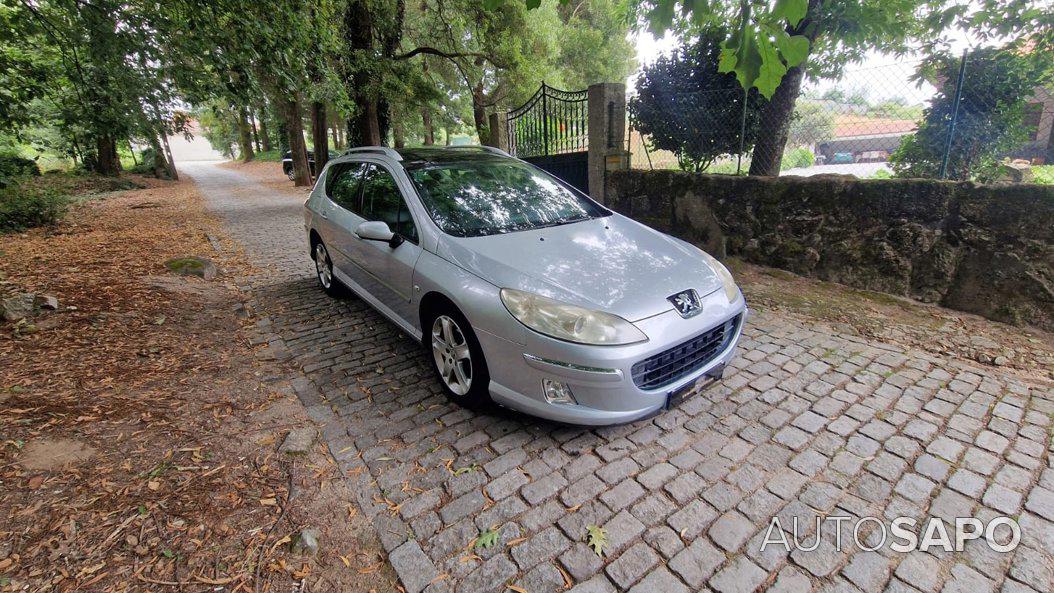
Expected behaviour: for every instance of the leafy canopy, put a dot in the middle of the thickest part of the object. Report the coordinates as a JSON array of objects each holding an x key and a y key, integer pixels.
[
  {"x": 684, "y": 104},
  {"x": 760, "y": 48},
  {"x": 989, "y": 118}
]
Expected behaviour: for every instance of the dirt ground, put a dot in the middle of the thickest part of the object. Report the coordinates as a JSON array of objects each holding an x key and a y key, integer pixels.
[
  {"x": 139, "y": 434},
  {"x": 1026, "y": 351}
]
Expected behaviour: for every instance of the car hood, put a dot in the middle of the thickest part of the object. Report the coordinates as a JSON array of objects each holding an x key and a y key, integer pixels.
[{"x": 611, "y": 264}]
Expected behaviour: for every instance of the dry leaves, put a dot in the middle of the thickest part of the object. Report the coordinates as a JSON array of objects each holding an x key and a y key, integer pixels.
[{"x": 154, "y": 374}]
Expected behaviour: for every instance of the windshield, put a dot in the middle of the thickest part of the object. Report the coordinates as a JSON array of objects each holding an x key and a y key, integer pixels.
[{"x": 487, "y": 197}]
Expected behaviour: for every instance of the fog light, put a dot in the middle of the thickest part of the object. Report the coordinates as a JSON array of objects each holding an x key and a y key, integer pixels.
[{"x": 557, "y": 392}]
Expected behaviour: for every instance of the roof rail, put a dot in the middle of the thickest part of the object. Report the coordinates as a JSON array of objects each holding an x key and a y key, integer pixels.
[
  {"x": 388, "y": 152},
  {"x": 485, "y": 148}
]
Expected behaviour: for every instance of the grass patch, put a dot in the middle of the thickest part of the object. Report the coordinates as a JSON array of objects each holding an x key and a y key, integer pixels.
[
  {"x": 1044, "y": 174},
  {"x": 269, "y": 155}
]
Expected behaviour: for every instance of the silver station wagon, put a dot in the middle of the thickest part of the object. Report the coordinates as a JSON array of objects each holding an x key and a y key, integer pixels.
[{"x": 526, "y": 292}]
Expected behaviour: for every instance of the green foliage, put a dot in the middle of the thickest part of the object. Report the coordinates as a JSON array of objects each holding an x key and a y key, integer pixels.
[
  {"x": 146, "y": 162},
  {"x": 269, "y": 155},
  {"x": 852, "y": 96},
  {"x": 684, "y": 105},
  {"x": 762, "y": 46},
  {"x": 989, "y": 119},
  {"x": 13, "y": 166},
  {"x": 497, "y": 53},
  {"x": 219, "y": 126},
  {"x": 1028, "y": 25},
  {"x": 84, "y": 77},
  {"x": 798, "y": 158},
  {"x": 811, "y": 123},
  {"x": 1044, "y": 174},
  {"x": 896, "y": 108},
  {"x": 768, "y": 38},
  {"x": 26, "y": 205}
]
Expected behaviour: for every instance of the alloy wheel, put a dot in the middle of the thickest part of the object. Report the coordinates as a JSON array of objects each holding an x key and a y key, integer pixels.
[
  {"x": 323, "y": 266},
  {"x": 452, "y": 355}
]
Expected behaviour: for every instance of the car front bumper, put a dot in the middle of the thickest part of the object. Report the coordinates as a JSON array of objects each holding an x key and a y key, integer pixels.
[{"x": 600, "y": 377}]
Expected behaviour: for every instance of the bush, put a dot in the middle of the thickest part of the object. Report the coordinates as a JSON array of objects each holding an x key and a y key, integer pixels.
[
  {"x": 146, "y": 163},
  {"x": 13, "y": 166},
  {"x": 686, "y": 106},
  {"x": 274, "y": 155},
  {"x": 798, "y": 158},
  {"x": 24, "y": 206},
  {"x": 989, "y": 117}
]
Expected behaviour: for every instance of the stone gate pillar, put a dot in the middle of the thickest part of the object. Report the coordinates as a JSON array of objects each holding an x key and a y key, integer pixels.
[
  {"x": 499, "y": 130},
  {"x": 607, "y": 134}
]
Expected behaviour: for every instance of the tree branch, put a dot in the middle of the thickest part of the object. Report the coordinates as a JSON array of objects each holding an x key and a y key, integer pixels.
[{"x": 448, "y": 55}]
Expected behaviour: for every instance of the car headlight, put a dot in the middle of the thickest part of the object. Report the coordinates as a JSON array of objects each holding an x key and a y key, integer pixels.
[
  {"x": 731, "y": 290},
  {"x": 569, "y": 322}
]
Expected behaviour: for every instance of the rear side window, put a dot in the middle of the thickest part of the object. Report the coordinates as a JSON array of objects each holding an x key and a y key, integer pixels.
[
  {"x": 382, "y": 200},
  {"x": 343, "y": 186}
]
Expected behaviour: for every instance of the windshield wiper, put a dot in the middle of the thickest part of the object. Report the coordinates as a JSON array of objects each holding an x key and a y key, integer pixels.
[{"x": 561, "y": 221}]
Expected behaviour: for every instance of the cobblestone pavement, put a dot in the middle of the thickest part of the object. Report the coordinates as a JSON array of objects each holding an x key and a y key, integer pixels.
[{"x": 807, "y": 424}]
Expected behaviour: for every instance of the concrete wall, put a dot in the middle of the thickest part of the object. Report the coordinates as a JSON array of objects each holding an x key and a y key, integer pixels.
[{"x": 985, "y": 249}]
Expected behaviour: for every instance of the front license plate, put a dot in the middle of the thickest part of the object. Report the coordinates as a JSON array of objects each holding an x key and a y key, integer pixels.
[{"x": 687, "y": 391}]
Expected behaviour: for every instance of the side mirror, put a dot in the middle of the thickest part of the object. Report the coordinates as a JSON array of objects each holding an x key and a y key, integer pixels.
[{"x": 376, "y": 230}]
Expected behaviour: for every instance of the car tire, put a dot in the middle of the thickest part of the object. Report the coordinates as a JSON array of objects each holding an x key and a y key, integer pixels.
[
  {"x": 290, "y": 174},
  {"x": 324, "y": 270},
  {"x": 457, "y": 358}
]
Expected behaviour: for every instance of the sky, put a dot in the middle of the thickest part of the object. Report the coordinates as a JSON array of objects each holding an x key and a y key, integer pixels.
[{"x": 881, "y": 76}]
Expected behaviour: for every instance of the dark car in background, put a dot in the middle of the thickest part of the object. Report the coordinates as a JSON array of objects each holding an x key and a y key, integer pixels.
[{"x": 287, "y": 163}]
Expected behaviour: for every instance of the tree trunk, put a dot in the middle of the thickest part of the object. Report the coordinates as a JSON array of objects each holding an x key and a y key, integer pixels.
[
  {"x": 283, "y": 133},
  {"x": 265, "y": 134},
  {"x": 106, "y": 160},
  {"x": 319, "y": 137},
  {"x": 75, "y": 151},
  {"x": 160, "y": 164},
  {"x": 367, "y": 127},
  {"x": 256, "y": 134},
  {"x": 164, "y": 167},
  {"x": 170, "y": 161},
  {"x": 430, "y": 132},
  {"x": 775, "y": 124},
  {"x": 334, "y": 129},
  {"x": 398, "y": 139},
  {"x": 245, "y": 139},
  {"x": 479, "y": 114},
  {"x": 295, "y": 135},
  {"x": 775, "y": 116}
]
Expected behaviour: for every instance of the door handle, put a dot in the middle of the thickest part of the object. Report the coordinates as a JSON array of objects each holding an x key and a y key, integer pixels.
[{"x": 324, "y": 215}]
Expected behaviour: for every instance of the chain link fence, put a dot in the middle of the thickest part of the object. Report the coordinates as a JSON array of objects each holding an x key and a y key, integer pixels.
[{"x": 955, "y": 118}]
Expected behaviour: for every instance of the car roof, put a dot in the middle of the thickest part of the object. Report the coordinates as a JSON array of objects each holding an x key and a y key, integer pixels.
[{"x": 426, "y": 155}]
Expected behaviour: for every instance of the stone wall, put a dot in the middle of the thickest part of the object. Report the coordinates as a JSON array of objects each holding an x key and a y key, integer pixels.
[{"x": 985, "y": 249}]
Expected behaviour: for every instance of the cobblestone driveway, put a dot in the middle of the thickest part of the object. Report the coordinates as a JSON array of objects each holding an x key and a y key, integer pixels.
[{"x": 807, "y": 424}]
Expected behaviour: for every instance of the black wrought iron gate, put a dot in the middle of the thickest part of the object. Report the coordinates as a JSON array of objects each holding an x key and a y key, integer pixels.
[{"x": 551, "y": 131}]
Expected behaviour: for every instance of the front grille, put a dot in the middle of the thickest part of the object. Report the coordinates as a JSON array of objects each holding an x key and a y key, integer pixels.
[{"x": 683, "y": 359}]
